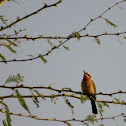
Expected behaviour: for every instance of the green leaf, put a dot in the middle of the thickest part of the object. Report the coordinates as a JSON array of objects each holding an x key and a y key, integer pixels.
[
  {"x": 4, "y": 123},
  {"x": 51, "y": 44},
  {"x": 69, "y": 104},
  {"x": 41, "y": 95},
  {"x": 11, "y": 49},
  {"x": 101, "y": 124},
  {"x": 20, "y": 78},
  {"x": 68, "y": 124},
  {"x": 100, "y": 108},
  {"x": 83, "y": 99},
  {"x": 71, "y": 35},
  {"x": 53, "y": 99},
  {"x": 75, "y": 34},
  {"x": 105, "y": 104},
  {"x": 3, "y": 20},
  {"x": 41, "y": 36},
  {"x": 91, "y": 118},
  {"x": 118, "y": 100},
  {"x": 11, "y": 42},
  {"x": 36, "y": 101},
  {"x": 65, "y": 47},
  {"x": 2, "y": 57},
  {"x": 124, "y": 120},
  {"x": 16, "y": 33},
  {"x": 110, "y": 23},
  {"x": 17, "y": 79},
  {"x": 22, "y": 101},
  {"x": 124, "y": 37},
  {"x": 12, "y": 79},
  {"x": 42, "y": 58},
  {"x": 8, "y": 118}
]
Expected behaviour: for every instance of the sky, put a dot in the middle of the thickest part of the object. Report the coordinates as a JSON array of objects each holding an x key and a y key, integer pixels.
[{"x": 105, "y": 62}]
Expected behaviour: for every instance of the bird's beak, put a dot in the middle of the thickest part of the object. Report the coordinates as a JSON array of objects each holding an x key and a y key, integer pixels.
[{"x": 84, "y": 71}]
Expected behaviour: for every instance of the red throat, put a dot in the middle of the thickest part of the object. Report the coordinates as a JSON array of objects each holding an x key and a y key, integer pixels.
[{"x": 86, "y": 77}]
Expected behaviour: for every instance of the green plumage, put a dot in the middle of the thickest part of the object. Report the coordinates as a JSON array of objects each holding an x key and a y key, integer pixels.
[{"x": 94, "y": 88}]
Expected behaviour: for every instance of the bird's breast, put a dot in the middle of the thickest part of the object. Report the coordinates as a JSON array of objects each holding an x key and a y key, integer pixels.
[{"x": 87, "y": 87}]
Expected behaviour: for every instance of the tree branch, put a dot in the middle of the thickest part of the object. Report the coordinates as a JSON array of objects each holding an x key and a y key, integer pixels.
[
  {"x": 58, "y": 90},
  {"x": 27, "y": 16},
  {"x": 101, "y": 15},
  {"x": 62, "y": 95},
  {"x": 29, "y": 59},
  {"x": 67, "y": 38},
  {"x": 61, "y": 37},
  {"x": 60, "y": 120}
]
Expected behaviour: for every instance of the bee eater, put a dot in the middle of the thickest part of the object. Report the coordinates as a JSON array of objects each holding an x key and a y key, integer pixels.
[{"x": 89, "y": 88}]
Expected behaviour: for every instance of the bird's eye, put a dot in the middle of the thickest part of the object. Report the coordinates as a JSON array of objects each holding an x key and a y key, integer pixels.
[{"x": 89, "y": 75}]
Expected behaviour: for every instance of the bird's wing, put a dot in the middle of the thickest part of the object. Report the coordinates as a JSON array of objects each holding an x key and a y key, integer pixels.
[{"x": 94, "y": 87}]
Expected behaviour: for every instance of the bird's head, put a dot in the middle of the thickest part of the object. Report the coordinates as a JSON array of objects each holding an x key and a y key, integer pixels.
[{"x": 87, "y": 75}]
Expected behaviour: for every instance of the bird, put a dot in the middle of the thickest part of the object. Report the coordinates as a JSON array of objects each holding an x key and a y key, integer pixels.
[{"x": 89, "y": 88}]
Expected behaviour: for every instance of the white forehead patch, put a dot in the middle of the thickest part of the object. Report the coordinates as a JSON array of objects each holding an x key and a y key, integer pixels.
[{"x": 88, "y": 74}]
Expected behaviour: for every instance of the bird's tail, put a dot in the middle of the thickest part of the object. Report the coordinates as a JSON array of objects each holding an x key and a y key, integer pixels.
[{"x": 94, "y": 108}]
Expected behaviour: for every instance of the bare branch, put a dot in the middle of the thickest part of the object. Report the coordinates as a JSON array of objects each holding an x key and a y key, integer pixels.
[
  {"x": 27, "y": 16},
  {"x": 61, "y": 120},
  {"x": 61, "y": 37},
  {"x": 101, "y": 15}
]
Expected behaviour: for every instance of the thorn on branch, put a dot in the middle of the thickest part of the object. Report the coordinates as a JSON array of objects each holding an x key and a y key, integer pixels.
[
  {"x": 31, "y": 87},
  {"x": 45, "y": 5},
  {"x": 87, "y": 35},
  {"x": 120, "y": 91},
  {"x": 92, "y": 19},
  {"x": 101, "y": 93}
]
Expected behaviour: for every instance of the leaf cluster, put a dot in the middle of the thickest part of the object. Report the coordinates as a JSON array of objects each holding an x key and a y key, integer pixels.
[
  {"x": 18, "y": 79},
  {"x": 7, "y": 121},
  {"x": 4, "y": 21},
  {"x": 22, "y": 101}
]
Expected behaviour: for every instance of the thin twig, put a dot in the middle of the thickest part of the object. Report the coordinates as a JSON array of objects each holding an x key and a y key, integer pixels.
[
  {"x": 101, "y": 15},
  {"x": 61, "y": 120},
  {"x": 29, "y": 59},
  {"x": 61, "y": 37},
  {"x": 27, "y": 16}
]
